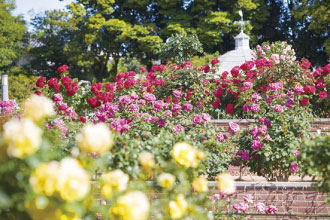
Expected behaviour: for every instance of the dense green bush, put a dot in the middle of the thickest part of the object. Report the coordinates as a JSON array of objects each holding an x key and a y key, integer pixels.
[{"x": 315, "y": 155}]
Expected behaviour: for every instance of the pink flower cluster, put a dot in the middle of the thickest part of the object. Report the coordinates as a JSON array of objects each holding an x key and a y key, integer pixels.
[
  {"x": 243, "y": 207},
  {"x": 233, "y": 127},
  {"x": 7, "y": 107}
]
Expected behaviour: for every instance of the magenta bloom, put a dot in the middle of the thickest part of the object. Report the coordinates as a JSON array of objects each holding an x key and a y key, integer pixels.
[
  {"x": 296, "y": 154},
  {"x": 125, "y": 99},
  {"x": 294, "y": 167},
  {"x": 246, "y": 108},
  {"x": 278, "y": 108},
  {"x": 271, "y": 210},
  {"x": 187, "y": 107},
  {"x": 245, "y": 155},
  {"x": 256, "y": 144},
  {"x": 197, "y": 119},
  {"x": 149, "y": 97},
  {"x": 179, "y": 128},
  {"x": 58, "y": 97},
  {"x": 206, "y": 117},
  {"x": 255, "y": 97},
  {"x": 254, "y": 132},
  {"x": 323, "y": 94},
  {"x": 168, "y": 114},
  {"x": 262, "y": 130},
  {"x": 299, "y": 90},
  {"x": 221, "y": 137},
  {"x": 233, "y": 127},
  {"x": 241, "y": 207},
  {"x": 177, "y": 94},
  {"x": 142, "y": 102},
  {"x": 255, "y": 108},
  {"x": 134, "y": 108},
  {"x": 159, "y": 104},
  {"x": 260, "y": 207},
  {"x": 176, "y": 108},
  {"x": 247, "y": 85}
]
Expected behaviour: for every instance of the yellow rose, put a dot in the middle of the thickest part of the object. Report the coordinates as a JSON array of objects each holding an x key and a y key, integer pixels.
[
  {"x": 147, "y": 160},
  {"x": 200, "y": 184},
  {"x": 178, "y": 208},
  {"x": 95, "y": 138},
  {"x": 23, "y": 137},
  {"x": 42, "y": 208},
  {"x": 38, "y": 107},
  {"x": 226, "y": 183},
  {"x": 166, "y": 180},
  {"x": 131, "y": 206},
  {"x": 44, "y": 178},
  {"x": 73, "y": 180},
  {"x": 116, "y": 179},
  {"x": 186, "y": 155}
]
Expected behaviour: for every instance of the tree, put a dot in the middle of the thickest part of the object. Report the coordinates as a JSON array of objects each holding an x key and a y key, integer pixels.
[{"x": 12, "y": 29}]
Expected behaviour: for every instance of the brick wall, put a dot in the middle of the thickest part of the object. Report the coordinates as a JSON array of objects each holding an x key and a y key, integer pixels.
[{"x": 289, "y": 198}]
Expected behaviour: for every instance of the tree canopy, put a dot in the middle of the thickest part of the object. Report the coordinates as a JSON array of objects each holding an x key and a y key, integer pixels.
[{"x": 12, "y": 30}]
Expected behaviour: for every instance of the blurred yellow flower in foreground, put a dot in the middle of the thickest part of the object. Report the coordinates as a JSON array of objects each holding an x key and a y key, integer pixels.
[
  {"x": 67, "y": 178},
  {"x": 131, "y": 206},
  {"x": 44, "y": 179},
  {"x": 187, "y": 156},
  {"x": 114, "y": 180},
  {"x": 200, "y": 184},
  {"x": 226, "y": 183},
  {"x": 95, "y": 138},
  {"x": 38, "y": 107},
  {"x": 23, "y": 137},
  {"x": 42, "y": 208},
  {"x": 74, "y": 181},
  {"x": 166, "y": 180},
  {"x": 178, "y": 208},
  {"x": 147, "y": 160}
]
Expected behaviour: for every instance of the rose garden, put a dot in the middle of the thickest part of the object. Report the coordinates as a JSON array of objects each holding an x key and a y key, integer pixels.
[{"x": 171, "y": 141}]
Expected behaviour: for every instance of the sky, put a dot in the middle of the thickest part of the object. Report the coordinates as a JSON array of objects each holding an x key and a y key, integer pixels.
[{"x": 29, "y": 8}]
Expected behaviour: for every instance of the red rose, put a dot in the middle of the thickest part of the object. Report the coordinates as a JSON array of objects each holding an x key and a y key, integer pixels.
[
  {"x": 304, "y": 102},
  {"x": 82, "y": 119},
  {"x": 71, "y": 90},
  {"x": 110, "y": 87},
  {"x": 218, "y": 93},
  {"x": 230, "y": 109},
  {"x": 189, "y": 93},
  {"x": 37, "y": 92},
  {"x": 248, "y": 65},
  {"x": 142, "y": 69},
  {"x": 206, "y": 68},
  {"x": 62, "y": 69},
  {"x": 41, "y": 82},
  {"x": 93, "y": 102},
  {"x": 235, "y": 71},
  {"x": 216, "y": 103},
  {"x": 323, "y": 94},
  {"x": 66, "y": 81},
  {"x": 215, "y": 61},
  {"x": 305, "y": 64},
  {"x": 326, "y": 68}
]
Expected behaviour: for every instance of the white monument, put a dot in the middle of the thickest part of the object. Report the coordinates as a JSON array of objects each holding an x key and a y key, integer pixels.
[{"x": 241, "y": 53}]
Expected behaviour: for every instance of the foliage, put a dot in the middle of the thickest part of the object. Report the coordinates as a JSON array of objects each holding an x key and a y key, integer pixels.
[
  {"x": 315, "y": 154},
  {"x": 180, "y": 48},
  {"x": 21, "y": 86},
  {"x": 11, "y": 34}
]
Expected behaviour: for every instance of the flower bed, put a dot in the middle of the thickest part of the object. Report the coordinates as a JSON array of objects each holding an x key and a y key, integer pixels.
[{"x": 161, "y": 131}]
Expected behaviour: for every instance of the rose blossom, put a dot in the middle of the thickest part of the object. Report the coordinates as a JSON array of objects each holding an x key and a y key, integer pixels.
[
  {"x": 179, "y": 128},
  {"x": 245, "y": 155},
  {"x": 256, "y": 144},
  {"x": 177, "y": 94},
  {"x": 233, "y": 127},
  {"x": 255, "y": 108},
  {"x": 271, "y": 210},
  {"x": 255, "y": 97},
  {"x": 241, "y": 207},
  {"x": 294, "y": 167},
  {"x": 133, "y": 108},
  {"x": 206, "y": 117},
  {"x": 260, "y": 207},
  {"x": 197, "y": 119},
  {"x": 168, "y": 114},
  {"x": 58, "y": 97},
  {"x": 262, "y": 130},
  {"x": 278, "y": 108},
  {"x": 254, "y": 132},
  {"x": 187, "y": 107},
  {"x": 221, "y": 137}
]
